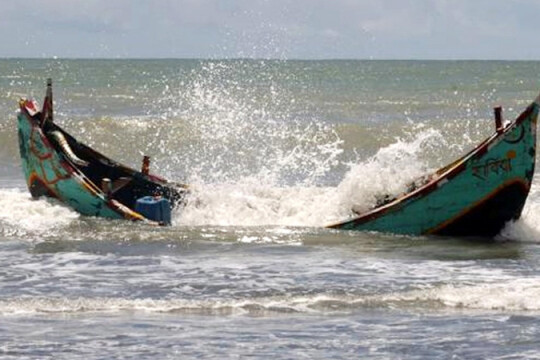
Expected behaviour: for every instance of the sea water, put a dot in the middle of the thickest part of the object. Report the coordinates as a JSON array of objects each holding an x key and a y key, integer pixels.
[{"x": 273, "y": 151}]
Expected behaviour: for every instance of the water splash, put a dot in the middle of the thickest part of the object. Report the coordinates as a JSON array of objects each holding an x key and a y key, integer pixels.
[
  {"x": 252, "y": 203},
  {"x": 21, "y": 214},
  {"x": 241, "y": 122},
  {"x": 527, "y": 227},
  {"x": 254, "y": 157},
  {"x": 388, "y": 173}
]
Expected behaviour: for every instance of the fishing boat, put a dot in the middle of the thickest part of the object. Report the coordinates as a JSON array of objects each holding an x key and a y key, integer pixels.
[
  {"x": 57, "y": 165},
  {"x": 474, "y": 196}
]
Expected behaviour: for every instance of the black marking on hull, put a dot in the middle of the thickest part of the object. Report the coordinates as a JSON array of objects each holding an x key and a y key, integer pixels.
[{"x": 488, "y": 218}]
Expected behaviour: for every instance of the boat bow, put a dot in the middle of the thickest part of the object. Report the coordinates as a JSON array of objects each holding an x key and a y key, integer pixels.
[
  {"x": 57, "y": 165},
  {"x": 475, "y": 195}
]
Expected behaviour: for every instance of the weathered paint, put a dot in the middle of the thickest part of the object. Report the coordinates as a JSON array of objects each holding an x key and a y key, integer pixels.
[
  {"x": 48, "y": 173},
  {"x": 474, "y": 196}
]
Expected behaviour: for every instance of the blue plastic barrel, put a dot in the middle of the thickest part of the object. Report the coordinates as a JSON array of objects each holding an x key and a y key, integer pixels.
[{"x": 154, "y": 208}]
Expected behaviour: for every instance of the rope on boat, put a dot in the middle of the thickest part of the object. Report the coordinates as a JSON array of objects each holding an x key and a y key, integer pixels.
[{"x": 61, "y": 140}]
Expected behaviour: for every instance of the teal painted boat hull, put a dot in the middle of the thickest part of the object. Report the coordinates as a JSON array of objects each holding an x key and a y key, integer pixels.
[
  {"x": 474, "y": 196},
  {"x": 52, "y": 167}
]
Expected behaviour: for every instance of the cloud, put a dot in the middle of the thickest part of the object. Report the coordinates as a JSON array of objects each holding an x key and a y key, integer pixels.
[{"x": 271, "y": 28}]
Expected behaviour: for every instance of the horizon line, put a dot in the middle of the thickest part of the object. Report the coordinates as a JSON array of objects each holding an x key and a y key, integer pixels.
[{"x": 259, "y": 59}]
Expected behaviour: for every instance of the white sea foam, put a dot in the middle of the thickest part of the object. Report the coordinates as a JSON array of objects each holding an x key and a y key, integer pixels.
[
  {"x": 19, "y": 211},
  {"x": 527, "y": 228},
  {"x": 253, "y": 205},
  {"x": 389, "y": 172},
  {"x": 509, "y": 295},
  {"x": 23, "y": 306},
  {"x": 252, "y": 202},
  {"x": 516, "y": 295}
]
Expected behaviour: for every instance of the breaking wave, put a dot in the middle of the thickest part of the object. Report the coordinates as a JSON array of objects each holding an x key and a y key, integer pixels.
[
  {"x": 518, "y": 295},
  {"x": 20, "y": 214}
]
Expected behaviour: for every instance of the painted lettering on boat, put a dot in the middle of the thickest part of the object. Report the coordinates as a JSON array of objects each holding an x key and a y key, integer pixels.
[{"x": 492, "y": 166}]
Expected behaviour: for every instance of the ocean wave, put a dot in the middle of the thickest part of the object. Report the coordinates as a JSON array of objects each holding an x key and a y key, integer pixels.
[
  {"x": 520, "y": 295},
  {"x": 19, "y": 213},
  {"x": 509, "y": 295}
]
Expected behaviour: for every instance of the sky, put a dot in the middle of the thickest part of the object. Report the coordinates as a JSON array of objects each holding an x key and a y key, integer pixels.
[{"x": 282, "y": 29}]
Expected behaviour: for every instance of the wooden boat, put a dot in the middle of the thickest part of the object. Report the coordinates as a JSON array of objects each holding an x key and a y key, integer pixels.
[
  {"x": 55, "y": 164},
  {"x": 474, "y": 196}
]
